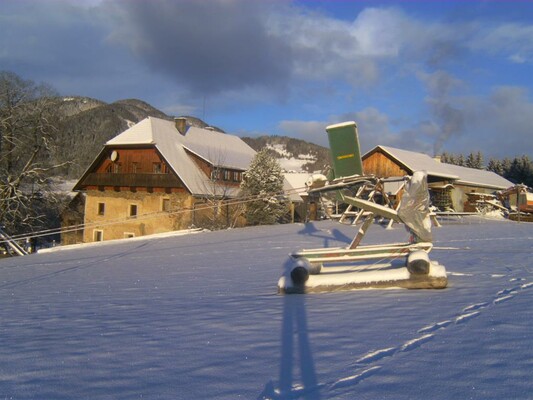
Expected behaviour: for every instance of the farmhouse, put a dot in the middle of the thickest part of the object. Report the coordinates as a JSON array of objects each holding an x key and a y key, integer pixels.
[
  {"x": 159, "y": 176},
  {"x": 451, "y": 187}
]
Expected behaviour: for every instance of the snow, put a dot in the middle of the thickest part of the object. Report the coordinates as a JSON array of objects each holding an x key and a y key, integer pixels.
[
  {"x": 197, "y": 316},
  {"x": 292, "y": 164}
]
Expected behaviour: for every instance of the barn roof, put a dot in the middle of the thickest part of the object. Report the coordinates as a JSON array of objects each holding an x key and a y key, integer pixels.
[
  {"x": 414, "y": 161},
  {"x": 472, "y": 176},
  {"x": 219, "y": 149}
]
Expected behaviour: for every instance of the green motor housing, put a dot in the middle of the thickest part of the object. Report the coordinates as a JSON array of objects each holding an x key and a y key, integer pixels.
[{"x": 344, "y": 149}]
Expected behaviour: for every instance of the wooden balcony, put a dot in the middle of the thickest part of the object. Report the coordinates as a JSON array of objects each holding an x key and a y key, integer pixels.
[{"x": 132, "y": 180}]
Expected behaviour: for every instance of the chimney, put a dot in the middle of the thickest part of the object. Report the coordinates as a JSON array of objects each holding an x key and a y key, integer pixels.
[
  {"x": 437, "y": 158},
  {"x": 181, "y": 125}
]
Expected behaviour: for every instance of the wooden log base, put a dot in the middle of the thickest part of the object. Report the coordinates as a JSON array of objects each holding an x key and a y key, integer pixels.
[{"x": 334, "y": 279}]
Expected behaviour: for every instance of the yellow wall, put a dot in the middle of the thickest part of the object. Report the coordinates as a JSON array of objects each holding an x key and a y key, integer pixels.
[{"x": 116, "y": 222}]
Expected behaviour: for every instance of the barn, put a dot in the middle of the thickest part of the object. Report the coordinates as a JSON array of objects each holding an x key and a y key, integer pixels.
[{"x": 452, "y": 187}]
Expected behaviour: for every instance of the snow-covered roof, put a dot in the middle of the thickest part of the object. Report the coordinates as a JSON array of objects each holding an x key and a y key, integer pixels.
[
  {"x": 472, "y": 176},
  {"x": 217, "y": 148},
  {"x": 294, "y": 185},
  {"x": 414, "y": 161}
]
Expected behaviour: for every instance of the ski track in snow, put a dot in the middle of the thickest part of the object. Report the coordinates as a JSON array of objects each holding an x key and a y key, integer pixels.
[{"x": 366, "y": 365}]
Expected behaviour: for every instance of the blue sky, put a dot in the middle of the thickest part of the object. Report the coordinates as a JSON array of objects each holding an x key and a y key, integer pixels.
[{"x": 429, "y": 76}]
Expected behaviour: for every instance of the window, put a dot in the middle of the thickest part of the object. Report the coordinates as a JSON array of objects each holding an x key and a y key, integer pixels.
[
  {"x": 117, "y": 168},
  {"x": 135, "y": 167},
  {"x": 157, "y": 168},
  {"x": 165, "y": 205},
  {"x": 101, "y": 208},
  {"x": 227, "y": 175},
  {"x": 128, "y": 235},
  {"x": 236, "y": 176},
  {"x": 133, "y": 210},
  {"x": 98, "y": 235}
]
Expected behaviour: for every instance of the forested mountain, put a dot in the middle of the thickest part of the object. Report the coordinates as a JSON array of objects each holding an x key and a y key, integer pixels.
[{"x": 293, "y": 154}]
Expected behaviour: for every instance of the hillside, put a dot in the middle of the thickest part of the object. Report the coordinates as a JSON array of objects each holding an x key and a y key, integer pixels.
[{"x": 293, "y": 154}]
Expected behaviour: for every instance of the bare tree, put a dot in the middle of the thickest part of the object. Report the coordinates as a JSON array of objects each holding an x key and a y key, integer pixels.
[{"x": 27, "y": 152}]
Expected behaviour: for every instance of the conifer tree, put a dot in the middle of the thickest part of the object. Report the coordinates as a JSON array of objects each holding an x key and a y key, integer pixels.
[
  {"x": 470, "y": 161},
  {"x": 495, "y": 166},
  {"x": 264, "y": 182},
  {"x": 479, "y": 160}
]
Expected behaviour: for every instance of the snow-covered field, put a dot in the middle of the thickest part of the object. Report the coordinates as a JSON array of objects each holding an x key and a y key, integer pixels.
[{"x": 198, "y": 317}]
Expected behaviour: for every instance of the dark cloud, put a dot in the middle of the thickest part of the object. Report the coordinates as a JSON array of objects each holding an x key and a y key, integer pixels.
[
  {"x": 207, "y": 46},
  {"x": 61, "y": 43},
  {"x": 443, "y": 52}
]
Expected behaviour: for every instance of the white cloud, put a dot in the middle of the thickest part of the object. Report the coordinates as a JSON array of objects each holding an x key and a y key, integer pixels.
[
  {"x": 374, "y": 128},
  {"x": 381, "y": 32},
  {"x": 511, "y": 40}
]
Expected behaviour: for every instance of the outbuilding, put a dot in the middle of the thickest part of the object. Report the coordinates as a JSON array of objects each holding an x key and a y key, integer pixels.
[{"x": 451, "y": 187}]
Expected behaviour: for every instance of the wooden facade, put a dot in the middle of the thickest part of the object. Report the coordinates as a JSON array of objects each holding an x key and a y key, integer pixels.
[
  {"x": 228, "y": 176},
  {"x": 380, "y": 164}
]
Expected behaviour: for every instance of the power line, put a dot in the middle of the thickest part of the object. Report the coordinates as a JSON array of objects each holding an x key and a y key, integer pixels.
[{"x": 78, "y": 227}]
